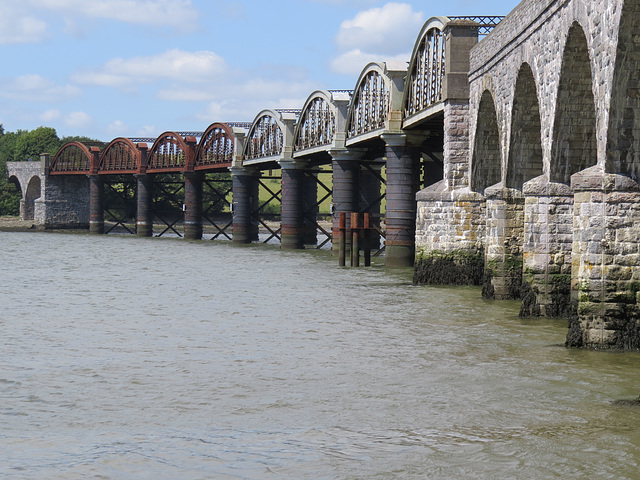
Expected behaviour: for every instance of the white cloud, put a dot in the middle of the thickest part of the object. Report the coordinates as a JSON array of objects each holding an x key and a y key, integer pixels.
[
  {"x": 179, "y": 94},
  {"x": 117, "y": 128},
  {"x": 30, "y": 21},
  {"x": 175, "y": 64},
  {"x": 379, "y": 34},
  {"x": 19, "y": 26},
  {"x": 241, "y": 101},
  {"x": 353, "y": 62},
  {"x": 50, "y": 116},
  {"x": 148, "y": 131},
  {"x": 78, "y": 120},
  {"x": 35, "y": 88},
  {"x": 174, "y": 13},
  {"x": 390, "y": 29}
]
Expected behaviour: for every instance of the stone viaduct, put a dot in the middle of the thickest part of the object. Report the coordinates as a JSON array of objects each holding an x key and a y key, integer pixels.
[
  {"x": 545, "y": 194},
  {"x": 523, "y": 149}
]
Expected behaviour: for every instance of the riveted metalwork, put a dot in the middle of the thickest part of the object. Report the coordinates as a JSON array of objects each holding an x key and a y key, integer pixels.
[
  {"x": 266, "y": 139},
  {"x": 73, "y": 157},
  {"x": 486, "y": 24},
  {"x": 120, "y": 156},
  {"x": 426, "y": 73},
  {"x": 169, "y": 153},
  {"x": 215, "y": 147},
  {"x": 317, "y": 125},
  {"x": 370, "y": 106}
]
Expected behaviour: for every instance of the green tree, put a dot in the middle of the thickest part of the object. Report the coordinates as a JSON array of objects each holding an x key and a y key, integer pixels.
[
  {"x": 9, "y": 192},
  {"x": 32, "y": 143}
]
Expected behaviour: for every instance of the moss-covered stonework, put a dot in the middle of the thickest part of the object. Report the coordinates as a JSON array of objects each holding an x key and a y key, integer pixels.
[
  {"x": 503, "y": 280},
  {"x": 450, "y": 268},
  {"x": 606, "y": 261},
  {"x": 557, "y": 300}
]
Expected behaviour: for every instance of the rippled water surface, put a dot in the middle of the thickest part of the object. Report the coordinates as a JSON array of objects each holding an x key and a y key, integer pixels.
[{"x": 128, "y": 358}]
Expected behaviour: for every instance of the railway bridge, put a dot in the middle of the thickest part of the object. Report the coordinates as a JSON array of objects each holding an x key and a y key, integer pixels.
[
  {"x": 523, "y": 149},
  {"x": 380, "y": 143}
]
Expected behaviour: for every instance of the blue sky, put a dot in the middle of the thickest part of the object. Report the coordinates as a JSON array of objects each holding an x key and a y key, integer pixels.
[{"x": 109, "y": 68}]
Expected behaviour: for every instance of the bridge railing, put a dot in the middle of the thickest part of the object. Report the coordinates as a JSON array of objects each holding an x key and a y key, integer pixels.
[
  {"x": 120, "y": 156},
  {"x": 216, "y": 147},
  {"x": 74, "y": 158},
  {"x": 322, "y": 116},
  {"x": 371, "y": 104},
  {"x": 171, "y": 153},
  {"x": 270, "y": 135}
]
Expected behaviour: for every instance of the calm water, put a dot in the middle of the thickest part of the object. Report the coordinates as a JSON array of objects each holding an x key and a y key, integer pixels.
[{"x": 128, "y": 358}]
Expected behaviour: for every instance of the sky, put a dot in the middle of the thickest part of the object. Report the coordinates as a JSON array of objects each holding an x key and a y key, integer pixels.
[{"x": 137, "y": 68}]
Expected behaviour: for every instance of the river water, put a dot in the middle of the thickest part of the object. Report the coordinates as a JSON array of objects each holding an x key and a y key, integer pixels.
[{"x": 128, "y": 358}]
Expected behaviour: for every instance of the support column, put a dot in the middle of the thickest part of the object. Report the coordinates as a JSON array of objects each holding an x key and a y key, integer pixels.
[
  {"x": 310, "y": 205},
  {"x": 346, "y": 181},
  {"x": 505, "y": 237},
  {"x": 244, "y": 186},
  {"x": 605, "y": 261},
  {"x": 548, "y": 237},
  {"x": 96, "y": 204},
  {"x": 144, "y": 199},
  {"x": 292, "y": 217},
  {"x": 193, "y": 206},
  {"x": 451, "y": 218},
  {"x": 64, "y": 201},
  {"x": 402, "y": 186}
]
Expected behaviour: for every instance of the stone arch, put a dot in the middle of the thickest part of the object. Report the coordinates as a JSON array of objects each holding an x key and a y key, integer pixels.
[
  {"x": 31, "y": 194},
  {"x": 623, "y": 142},
  {"x": 18, "y": 193},
  {"x": 525, "y": 148},
  {"x": 574, "y": 145},
  {"x": 486, "y": 163},
  {"x": 15, "y": 181}
]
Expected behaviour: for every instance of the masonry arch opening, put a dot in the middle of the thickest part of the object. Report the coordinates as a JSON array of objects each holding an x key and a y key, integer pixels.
[
  {"x": 486, "y": 164},
  {"x": 623, "y": 142},
  {"x": 525, "y": 147},
  {"x": 574, "y": 138},
  {"x": 32, "y": 193}
]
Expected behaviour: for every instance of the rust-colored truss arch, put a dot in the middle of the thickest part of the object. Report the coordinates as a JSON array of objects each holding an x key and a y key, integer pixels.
[
  {"x": 119, "y": 157},
  {"x": 266, "y": 136},
  {"x": 370, "y": 105},
  {"x": 171, "y": 154},
  {"x": 73, "y": 158},
  {"x": 423, "y": 86},
  {"x": 317, "y": 125},
  {"x": 216, "y": 147}
]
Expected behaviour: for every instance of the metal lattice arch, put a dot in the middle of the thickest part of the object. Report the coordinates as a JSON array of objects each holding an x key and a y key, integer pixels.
[
  {"x": 322, "y": 122},
  {"x": 378, "y": 92},
  {"x": 216, "y": 147},
  {"x": 171, "y": 153},
  {"x": 120, "y": 156},
  {"x": 423, "y": 86},
  {"x": 269, "y": 136},
  {"x": 72, "y": 158}
]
